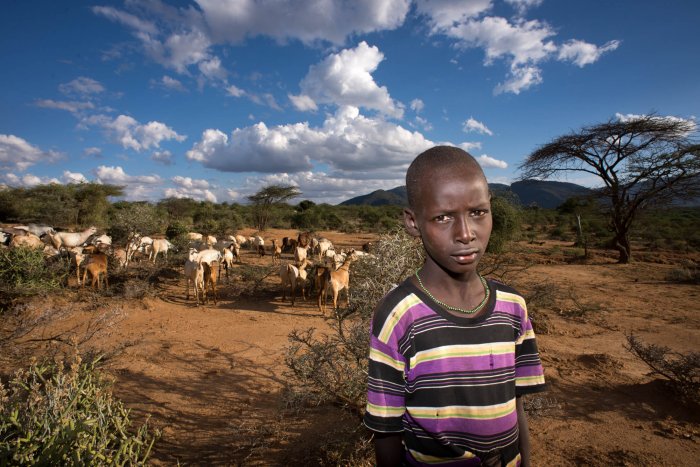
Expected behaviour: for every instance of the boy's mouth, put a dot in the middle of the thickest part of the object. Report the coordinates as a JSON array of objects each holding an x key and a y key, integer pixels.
[{"x": 465, "y": 256}]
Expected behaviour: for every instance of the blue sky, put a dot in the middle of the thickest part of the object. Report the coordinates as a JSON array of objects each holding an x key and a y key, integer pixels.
[{"x": 215, "y": 99}]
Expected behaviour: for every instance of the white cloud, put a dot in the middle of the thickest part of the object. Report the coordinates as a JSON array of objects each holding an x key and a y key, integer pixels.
[
  {"x": 18, "y": 154},
  {"x": 302, "y": 102},
  {"x": 168, "y": 82},
  {"x": 234, "y": 91},
  {"x": 81, "y": 86},
  {"x": 92, "y": 152},
  {"x": 345, "y": 78},
  {"x": 420, "y": 122},
  {"x": 69, "y": 106},
  {"x": 317, "y": 186},
  {"x": 129, "y": 20},
  {"x": 73, "y": 177},
  {"x": 162, "y": 157},
  {"x": 445, "y": 13},
  {"x": 306, "y": 20},
  {"x": 417, "y": 105},
  {"x": 624, "y": 118},
  {"x": 131, "y": 134},
  {"x": 194, "y": 193},
  {"x": 521, "y": 6},
  {"x": 470, "y": 146},
  {"x": 188, "y": 182},
  {"x": 115, "y": 175},
  {"x": 472, "y": 125},
  {"x": 265, "y": 99},
  {"x": 582, "y": 53},
  {"x": 27, "y": 180},
  {"x": 489, "y": 162},
  {"x": 347, "y": 141},
  {"x": 519, "y": 79}
]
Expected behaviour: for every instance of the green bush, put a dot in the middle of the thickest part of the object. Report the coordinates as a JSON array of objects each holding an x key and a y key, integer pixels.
[
  {"x": 24, "y": 272},
  {"x": 66, "y": 415}
]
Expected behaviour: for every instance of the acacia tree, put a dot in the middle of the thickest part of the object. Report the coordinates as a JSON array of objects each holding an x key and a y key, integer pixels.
[
  {"x": 641, "y": 161},
  {"x": 264, "y": 200}
]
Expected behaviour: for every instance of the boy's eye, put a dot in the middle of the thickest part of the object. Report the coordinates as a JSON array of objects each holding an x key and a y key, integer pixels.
[
  {"x": 442, "y": 218},
  {"x": 479, "y": 212}
]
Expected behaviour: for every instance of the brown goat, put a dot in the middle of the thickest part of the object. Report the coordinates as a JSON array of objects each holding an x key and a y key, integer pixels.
[
  {"x": 211, "y": 277},
  {"x": 336, "y": 281},
  {"x": 96, "y": 266}
]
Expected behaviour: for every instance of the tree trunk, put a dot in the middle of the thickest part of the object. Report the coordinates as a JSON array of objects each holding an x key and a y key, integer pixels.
[{"x": 622, "y": 244}]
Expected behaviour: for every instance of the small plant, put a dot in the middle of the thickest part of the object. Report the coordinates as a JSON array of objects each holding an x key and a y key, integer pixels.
[
  {"x": 684, "y": 275},
  {"x": 681, "y": 370},
  {"x": 25, "y": 272},
  {"x": 65, "y": 414}
]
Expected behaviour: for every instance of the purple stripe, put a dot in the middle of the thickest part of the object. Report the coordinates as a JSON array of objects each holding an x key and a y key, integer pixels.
[
  {"x": 385, "y": 400},
  {"x": 530, "y": 370},
  {"x": 448, "y": 365},
  {"x": 414, "y": 313},
  {"x": 488, "y": 427}
]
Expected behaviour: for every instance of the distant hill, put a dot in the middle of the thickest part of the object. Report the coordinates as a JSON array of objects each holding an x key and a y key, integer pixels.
[{"x": 545, "y": 194}]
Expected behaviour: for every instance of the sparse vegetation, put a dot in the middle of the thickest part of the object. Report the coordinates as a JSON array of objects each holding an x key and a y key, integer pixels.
[
  {"x": 682, "y": 371},
  {"x": 65, "y": 414}
]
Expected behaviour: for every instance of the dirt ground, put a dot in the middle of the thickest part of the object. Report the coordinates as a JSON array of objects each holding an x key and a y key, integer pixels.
[{"x": 211, "y": 377}]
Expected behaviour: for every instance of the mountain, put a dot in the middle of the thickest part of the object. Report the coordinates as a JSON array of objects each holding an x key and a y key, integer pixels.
[{"x": 545, "y": 194}]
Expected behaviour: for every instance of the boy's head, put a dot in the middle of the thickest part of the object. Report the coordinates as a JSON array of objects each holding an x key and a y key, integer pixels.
[
  {"x": 449, "y": 208},
  {"x": 434, "y": 164}
]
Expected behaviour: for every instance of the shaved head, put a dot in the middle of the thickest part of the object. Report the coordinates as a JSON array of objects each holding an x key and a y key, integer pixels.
[{"x": 431, "y": 164}]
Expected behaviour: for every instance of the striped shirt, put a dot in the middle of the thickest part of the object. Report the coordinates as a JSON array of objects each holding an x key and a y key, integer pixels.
[{"x": 448, "y": 383}]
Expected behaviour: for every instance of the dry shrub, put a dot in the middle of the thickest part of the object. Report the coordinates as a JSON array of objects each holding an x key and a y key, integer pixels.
[
  {"x": 332, "y": 368},
  {"x": 684, "y": 275},
  {"x": 681, "y": 370},
  {"x": 65, "y": 414},
  {"x": 25, "y": 272}
]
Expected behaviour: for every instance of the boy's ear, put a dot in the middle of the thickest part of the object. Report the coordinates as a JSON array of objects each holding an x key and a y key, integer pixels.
[{"x": 409, "y": 221}]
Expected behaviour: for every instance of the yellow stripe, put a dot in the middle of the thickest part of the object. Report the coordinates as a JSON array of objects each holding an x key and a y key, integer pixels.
[
  {"x": 452, "y": 351},
  {"x": 396, "y": 314},
  {"x": 385, "y": 411},
  {"x": 514, "y": 462},
  {"x": 529, "y": 380},
  {"x": 381, "y": 357},
  {"x": 529, "y": 334},
  {"x": 512, "y": 298},
  {"x": 464, "y": 411},
  {"x": 428, "y": 459}
]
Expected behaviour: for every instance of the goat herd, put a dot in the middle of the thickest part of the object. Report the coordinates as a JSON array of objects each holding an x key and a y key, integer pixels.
[{"x": 328, "y": 274}]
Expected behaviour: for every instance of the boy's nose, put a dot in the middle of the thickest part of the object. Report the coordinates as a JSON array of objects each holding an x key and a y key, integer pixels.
[{"x": 464, "y": 233}]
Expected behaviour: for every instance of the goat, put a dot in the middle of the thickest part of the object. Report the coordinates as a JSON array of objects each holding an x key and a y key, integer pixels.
[
  {"x": 241, "y": 240},
  {"x": 71, "y": 239},
  {"x": 194, "y": 236},
  {"x": 120, "y": 255},
  {"x": 259, "y": 245},
  {"x": 159, "y": 245},
  {"x": 236, "y": 250},
  {"x": 276, "y": 252},
  {"x": 303, "y": 239},
  {"x": 26, "y": 241},
  {"x": 299, "y": 255},
  {"x": 336, "y": 281},
  {"x": 323, "y": 245},
  {"x": 76, "y": 257},
  {"x": 227, "y": 261},
  {"x": 293, "y": 276},
  {"x": 211, "y": 277},
  {"x": 208, "y": 256},
  {"x": 194, "y": 272},
  {"x": 96, "y": 266},
  {"x": 210, "y": 240}
]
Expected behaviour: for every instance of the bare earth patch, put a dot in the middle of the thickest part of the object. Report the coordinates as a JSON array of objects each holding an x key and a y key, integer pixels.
[{"x": 211, "y": 377}]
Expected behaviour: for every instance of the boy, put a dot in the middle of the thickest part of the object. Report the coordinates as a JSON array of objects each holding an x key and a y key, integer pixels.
[{"x": 450, "y": 353}]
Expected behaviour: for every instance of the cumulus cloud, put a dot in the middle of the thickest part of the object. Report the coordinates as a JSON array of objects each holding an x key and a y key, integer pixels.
[
  {"x": 233, "y": 21},
  {"x": 234, "y": 91},
  {"x": 186, "y": 187},
  {"x": 169, "y": 83},
  {"x": 131, "y": 134},
  {"x": 318, "y": 186},
  {"x": 417, "y": 105},
  {"x": 470, "y": 146},
  {"x": 18, "y": 154},
  {"x": 302, "y": 102},
  {"x": 347, "y": 141},
  {"x": 115, "y": 175},
  {"x": 188, "y": 182},
  {"x": 69, "y": 106},
  {"x": 445, "y": 13},
  {"x": 489, "y": 162},
  {"x": 73, "y": 177},
  {"x": 345, "y": 78},
  {"x": 632, "y": 117},
  {"x": 582, "y": 53},
  {"x": 472, "y": 125},
  {"x": 521, "y": 6},
  {"x": 92, "y": 152},
  {"x": 81, "y": 86},
  {"x": 520, "y": 79},
  {"x": 27, "y": 180},
  {"x": 162, "y": 157}
]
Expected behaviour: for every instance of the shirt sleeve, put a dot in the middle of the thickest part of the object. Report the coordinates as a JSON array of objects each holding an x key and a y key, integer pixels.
[
  {"x": 529, "y": 374},
  {"x": 386, "y": 380}
]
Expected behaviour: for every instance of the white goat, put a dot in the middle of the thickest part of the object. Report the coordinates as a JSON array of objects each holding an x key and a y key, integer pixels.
[
  {"x": 26, "y": 241},
  {"x": 259, "y": 245},
  {"x": 194, "y": 272},
  {"x": 71, "y": 239},
  {"x": 293, "y": 276},
  {"x": 159, "y": 245},
  {"x": 324, "y": 245}
]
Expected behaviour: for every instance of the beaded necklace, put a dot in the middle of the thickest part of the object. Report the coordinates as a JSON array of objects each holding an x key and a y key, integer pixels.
[{"x": 487, "y": 293}]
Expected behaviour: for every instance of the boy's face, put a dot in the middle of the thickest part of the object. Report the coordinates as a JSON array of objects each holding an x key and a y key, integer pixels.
[{"x": 453, "y": 219}]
